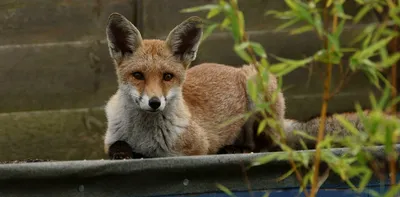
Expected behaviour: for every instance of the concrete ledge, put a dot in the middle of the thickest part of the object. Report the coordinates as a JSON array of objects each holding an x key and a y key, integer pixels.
[
  {"x": 156, "y": 177},
  {"x": 55, "y": 135}
]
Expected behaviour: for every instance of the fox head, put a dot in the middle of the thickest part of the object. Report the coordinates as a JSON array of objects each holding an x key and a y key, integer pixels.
[{"x": 151, "y": 72}]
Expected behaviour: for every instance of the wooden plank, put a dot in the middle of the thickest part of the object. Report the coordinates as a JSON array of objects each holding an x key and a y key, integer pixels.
[
  {"x": 38, "y": 21},
  {"x": 160, "y": 16},
  {"x": 55, "y": 76},
  {"x": 55, "y": 135}
]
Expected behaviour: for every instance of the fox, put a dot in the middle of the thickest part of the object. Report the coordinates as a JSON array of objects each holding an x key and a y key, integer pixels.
[{"x": 165, "y": 107}]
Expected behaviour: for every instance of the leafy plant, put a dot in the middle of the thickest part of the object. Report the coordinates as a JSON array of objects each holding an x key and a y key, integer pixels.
[{"x": 372, "y": 52}]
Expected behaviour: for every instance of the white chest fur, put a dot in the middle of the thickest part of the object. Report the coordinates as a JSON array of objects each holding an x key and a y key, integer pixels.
[{"x": 151, "y": 134}]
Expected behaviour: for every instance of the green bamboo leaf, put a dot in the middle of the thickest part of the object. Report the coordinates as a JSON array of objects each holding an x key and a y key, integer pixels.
[
  {"x": 263, "y": 106},
  {"x": 284, "y": 176},
  {"x": 307, "y": 179},
  {"x": 394, "y": 102},
  {"x": 302, "y": 29},
  {"x": 272, "y": 12},
  {"x": 225, "y": 23},
  {"x": 304, "y": 134},
  {"x": 347, "y": 125},
  {"x": 294, "y": 62},
  {"x": 235, "y": 27},
  {"x": 361, "y": 13},
  {"x": 291, "y": 4},
  {"x": 374, "y": 47},
  {"x": 209, "y": 31},
  {"x": 287, "y": 70},
  {"x": 388, "y": 143},
  {"x": 339, "y": 29},
  {"x": 373, "y": 101},
  {"x": 267, "y": 158},
  {"x": 394, "y": 14},
  {"x": 266, "y": 194},
  {"x": 391, "y": 60},
  {"x": 240, "y": 50},
  {"x": 385, "y": 97},
  {"x": 252, "y": 90},
  {"x": 258, "y": 49},
  {"x": 318, "y": 23},
  {"x": 367, "y": 31},
  {"x": 384, "y": 53},
  {"x": 367, "y": 40},
  {"x": 287, "y": 24},
  {"x": 334, "y": 41},
  {"x": 241, "y": 22},
  {"x": 340, "y": 11},
  {"x": 276, "y": 68},
  {"x": 364, "y": 179},
  {"x": 214, "y": 12},
  {"x": 225, "y": 190},
  {"x": 300, "y": 10},
  {"x": 393, "y": 191},
  {"x": 264, "y": 63},
  {"x": 200, "y": 8},
  {"x": 271, "y": 156},
  {"x": 262, "y": 126},
  {"x": 303, "y": 144},
  {"x": 328, "y": 3}
]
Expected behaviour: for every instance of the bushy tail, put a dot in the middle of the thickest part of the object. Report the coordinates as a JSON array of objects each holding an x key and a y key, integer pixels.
[{"x": 332, "y": 127}]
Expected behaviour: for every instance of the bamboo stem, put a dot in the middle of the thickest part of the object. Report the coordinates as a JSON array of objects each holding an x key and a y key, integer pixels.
[
  {"x": 324, "y": 108},
  {"x": 394, "y": 44}
]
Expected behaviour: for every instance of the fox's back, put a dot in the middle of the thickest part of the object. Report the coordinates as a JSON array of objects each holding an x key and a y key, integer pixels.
[{"x": 215, "y": 93}]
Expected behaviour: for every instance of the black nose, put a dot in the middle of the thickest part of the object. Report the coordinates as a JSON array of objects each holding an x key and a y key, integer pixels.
[{"x": 154, "y": 102}]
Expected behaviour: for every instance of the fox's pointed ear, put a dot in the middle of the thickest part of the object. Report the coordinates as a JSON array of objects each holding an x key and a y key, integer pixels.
[
  {"x": 123, "y": 37},
  {"x": 184, "y": 39}
]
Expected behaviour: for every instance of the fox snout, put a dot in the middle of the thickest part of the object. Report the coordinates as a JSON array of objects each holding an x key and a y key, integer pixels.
[{"x": 154, "y": 103}]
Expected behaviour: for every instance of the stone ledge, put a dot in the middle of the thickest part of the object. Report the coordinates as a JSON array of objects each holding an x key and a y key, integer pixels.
[{"x": 174, "y": 176}]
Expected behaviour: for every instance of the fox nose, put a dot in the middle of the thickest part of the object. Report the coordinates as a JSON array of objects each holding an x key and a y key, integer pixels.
[{"x": 154, "y": 102}]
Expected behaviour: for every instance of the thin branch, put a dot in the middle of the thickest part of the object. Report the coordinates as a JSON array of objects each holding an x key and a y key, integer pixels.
[{"x": 326, "y": 96}]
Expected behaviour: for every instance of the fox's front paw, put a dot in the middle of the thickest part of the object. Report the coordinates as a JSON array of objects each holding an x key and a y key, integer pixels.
[
  {"x": 232, "y": 149},
  {"x": 120, "y": 156},
  {"x": 120, "y": 150}
]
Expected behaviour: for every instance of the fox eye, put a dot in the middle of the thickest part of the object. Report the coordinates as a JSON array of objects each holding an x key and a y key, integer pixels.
[
  {"x": 168, "y": 76},
  {"x": 138, "y": 75}
]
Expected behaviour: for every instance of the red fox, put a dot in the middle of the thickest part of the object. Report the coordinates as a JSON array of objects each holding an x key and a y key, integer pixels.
[{"x": 164, "y": 108}]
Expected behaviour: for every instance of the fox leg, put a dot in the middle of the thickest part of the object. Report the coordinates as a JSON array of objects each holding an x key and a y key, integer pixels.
[
  {"x": 244, "y": 142},
  {"x": 122, "y": 150}
]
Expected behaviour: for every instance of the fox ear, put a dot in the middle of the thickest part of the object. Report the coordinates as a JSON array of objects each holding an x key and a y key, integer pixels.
[
  {"x": 122, "y": 36},
  {"x": 184, "y": 39}
]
